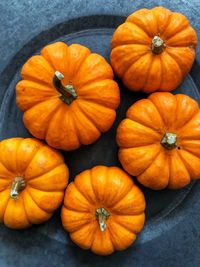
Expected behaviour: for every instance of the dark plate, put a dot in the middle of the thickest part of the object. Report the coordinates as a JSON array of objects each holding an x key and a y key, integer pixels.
[{"x": 167, "y": 211}]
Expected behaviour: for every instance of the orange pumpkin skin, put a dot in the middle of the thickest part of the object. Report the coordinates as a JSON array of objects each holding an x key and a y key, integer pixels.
[
  {"x": 51, "y": 112},
  {"x": 160, "y": 140},
  {"x": 109, "y": 189},
  {"x": 153, "y": 50},
  {"x": 41, "y": 177}
]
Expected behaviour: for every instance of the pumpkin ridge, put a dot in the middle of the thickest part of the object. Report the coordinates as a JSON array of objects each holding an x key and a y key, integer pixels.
[
  {"x": 28, "y": 192},
  {"x": 8, "y": 198},
  {"x": 148, "y": 72},
  {"x": 11, "y": 173},
  {"x": 135, "y": 23}
]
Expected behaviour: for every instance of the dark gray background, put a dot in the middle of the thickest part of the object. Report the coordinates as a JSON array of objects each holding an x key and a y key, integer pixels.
[{"x": 171, "y": 236}]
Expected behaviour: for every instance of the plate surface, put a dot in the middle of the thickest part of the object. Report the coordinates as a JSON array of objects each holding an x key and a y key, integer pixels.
[{"x": 166, "y": 210}]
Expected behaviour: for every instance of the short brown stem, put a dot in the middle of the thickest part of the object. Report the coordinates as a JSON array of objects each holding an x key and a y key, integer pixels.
[
  {"x": 18, "y": 185},
  {"x": 102, "y": 216},
  {"x": 169, "y": 141},
  {"x": 157, "y": 45},
  {"x": 68, "y": 93}
]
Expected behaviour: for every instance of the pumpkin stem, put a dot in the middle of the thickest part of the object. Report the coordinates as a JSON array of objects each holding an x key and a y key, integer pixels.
[
  {"x": 18, "y": 185},
  {"x": 157, "y": 45},
  {"x": 169, "y": 141},
  {"x": 68, "y": 93},
  {"x": 102, "y": 216}
]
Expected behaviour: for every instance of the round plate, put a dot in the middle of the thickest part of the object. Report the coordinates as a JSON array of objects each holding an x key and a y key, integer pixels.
[{"x": 164, "y": 208}]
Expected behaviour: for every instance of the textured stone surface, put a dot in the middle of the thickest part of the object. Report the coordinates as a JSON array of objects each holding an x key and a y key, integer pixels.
[{"x": 172, "y": 233}]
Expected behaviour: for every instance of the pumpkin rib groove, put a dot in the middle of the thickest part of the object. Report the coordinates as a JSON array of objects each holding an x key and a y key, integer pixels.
[
  {"x": 70, "y": 209},
  {"x": 83, "y": 195},
  {"x": 135, "y": 23},
  {"x": 168, "y": 20},
  {"x": 28, "y": 191},
  {"x": 83, "y": 60},
  {"x": 133, "y": 64},
  {"x": 185, "y": 125},
  {"x": 153, "y": 158},
  {"x": 27, "y": 217},
  {"x": 144, "y": 123},
  {"x": 121, "y": 225},
  {"x": 182, "y": 162},
  {"x": 75, "y": 127},
  {"x": 185, "y": 163},
  {"x": 6, "y": 204},
  {"x": 17, "y": 151},
  {"x": 49, "y": 113},
  {"x": 189, "y": 151},
  {"x": 49, "y": 191},
  {"x": 86, "y": 118},
  {"x": 131, "y": 61},
  {"x": 153, "y": 163},
  {"x": 85, "y": 113},
  {"x": 121, "y": 198},
  {"x": 181, "y": 30},
  {"x": 35, "y": 177},
  {"x": 182, "y": 72},
  {"x": 147, "y": 73},
  {"x": 92, "y": 186},
  {"x": 95, "y": 80},
  {"x": 175, "y": 33}
]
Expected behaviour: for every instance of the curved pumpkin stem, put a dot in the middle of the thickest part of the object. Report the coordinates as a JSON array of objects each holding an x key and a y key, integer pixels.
[
  {"x": 169, "y": 141},
  {"x": 18, "y": 185},
  {"x": 157, "y": 45},
  {"x": 102, "y": 216},
  {"x": 68, "y": 93}
]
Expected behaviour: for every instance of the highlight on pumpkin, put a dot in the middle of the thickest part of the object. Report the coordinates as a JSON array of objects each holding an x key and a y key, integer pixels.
[
  {"x": 103, "y": 210},
  {"x": 33, "y": 177},
  {"x": 159, "y": 141},
  {"x": 153, "y": 50},
  {"x": 68, "y": 95}
]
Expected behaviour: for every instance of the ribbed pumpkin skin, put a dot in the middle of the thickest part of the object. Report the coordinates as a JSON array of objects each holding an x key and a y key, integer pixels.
[
  {"x": 139, "y": 137},
  {"x": 109, "y": 188},
  {"x": 133, "y": 60},
  {"x": 47, "y": 117},
  {"x": 45, "y": 175}
]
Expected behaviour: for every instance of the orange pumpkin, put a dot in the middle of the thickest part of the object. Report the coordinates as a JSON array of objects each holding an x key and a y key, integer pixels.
[
  {"x": 160, "y": 140},
  {"x": 33, "y": 177},
  {"x": 153, "y": 50},
  {"x": 68, "y": 95},
  {"x": 103, "y": 210}
]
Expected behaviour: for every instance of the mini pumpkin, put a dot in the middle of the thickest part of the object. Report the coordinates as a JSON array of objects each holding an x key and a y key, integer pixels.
[
  {"x": 103, "y": 210},
  {"x": 153, "y": 50},
  {"x": 159, "y": 140},
  {"x": 68, "y": 95},
  {"x": 33, "y": 177}
]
